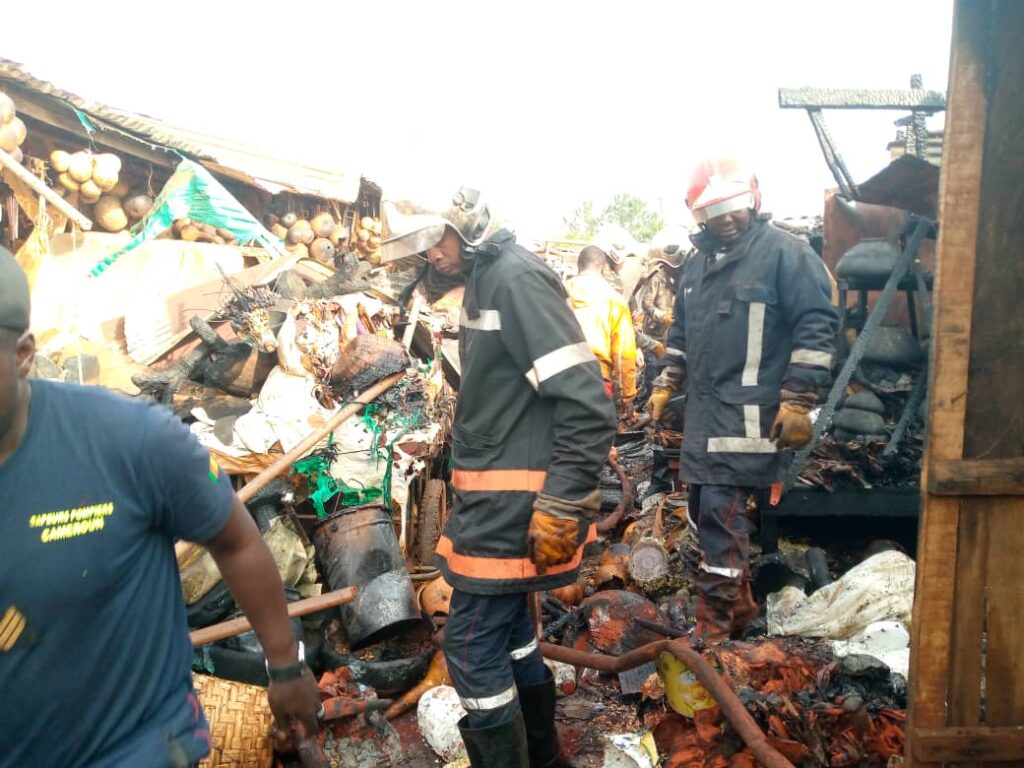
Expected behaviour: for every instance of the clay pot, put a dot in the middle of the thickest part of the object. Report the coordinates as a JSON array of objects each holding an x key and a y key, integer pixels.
[
  {"x": 893, "y": 346},
  {"x": 110, "y": 214},
  {"x": 137, "y": 205},
  {"x": 322, "y": 250},
  {"x": 436, "y": 597},
  {"x": 865, "y": 400},
  {"x": 858, "y": 422},
  {"x": 323, "y": 224},
  {"x": 570, "y": 594},
  {"x": 873, "y": 258}
]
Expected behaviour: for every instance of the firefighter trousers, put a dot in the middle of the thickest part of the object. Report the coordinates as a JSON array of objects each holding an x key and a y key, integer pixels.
[
  {"x": 720, "y": 512},
  {"x": 490, "y": 645}
]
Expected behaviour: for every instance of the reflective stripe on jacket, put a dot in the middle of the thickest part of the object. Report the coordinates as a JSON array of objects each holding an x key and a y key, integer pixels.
[
  {"x": 753, "y": 322},
  {"x": 606, "y": 322},
  {"x": 532, "y": 416}
]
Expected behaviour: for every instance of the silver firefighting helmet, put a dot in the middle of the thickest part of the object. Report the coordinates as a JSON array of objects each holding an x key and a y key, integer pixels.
[
  {"x": 616, "y": 241},
  {"x": 411, "y": 228},
  {"x": 669, "y": 246}
]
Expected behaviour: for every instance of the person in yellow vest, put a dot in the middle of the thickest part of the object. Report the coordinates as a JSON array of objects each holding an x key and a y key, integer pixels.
[{"x": 606, "y": 322}]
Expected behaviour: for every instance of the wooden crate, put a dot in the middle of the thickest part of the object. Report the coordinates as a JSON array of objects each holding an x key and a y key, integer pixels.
[{"x": 967, "y": 642}]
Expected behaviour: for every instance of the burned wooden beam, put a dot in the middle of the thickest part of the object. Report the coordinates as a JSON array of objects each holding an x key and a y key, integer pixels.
[{"x": 916, "y": 99}]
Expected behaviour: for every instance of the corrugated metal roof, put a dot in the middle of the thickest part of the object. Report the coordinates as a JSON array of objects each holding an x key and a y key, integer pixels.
[{"x": 223, "y": 156}]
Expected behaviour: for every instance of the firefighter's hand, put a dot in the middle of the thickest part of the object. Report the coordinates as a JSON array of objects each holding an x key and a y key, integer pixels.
[
  {"x": 552, "y": 538},
  {"x": 659, "y": 348},
  {"x": 660, "y": 396},
  {"x": 295, "y": 700},
  {"x": 792, "y": 426},
  {"x": 668, "y": 317}
]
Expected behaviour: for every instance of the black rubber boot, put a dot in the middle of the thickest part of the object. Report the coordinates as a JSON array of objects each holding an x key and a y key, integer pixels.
[
  {"x": 500, "y": 746},
  {"x": 537, "y": 702}
]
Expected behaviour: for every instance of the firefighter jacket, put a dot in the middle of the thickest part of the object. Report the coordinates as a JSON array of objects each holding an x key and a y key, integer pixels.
[
  {"x": 748, "y": 323},
  {"x": 604, "y": 317},
  {"x": 655, "y": 297},
  {"x": 532, "y": 416}
]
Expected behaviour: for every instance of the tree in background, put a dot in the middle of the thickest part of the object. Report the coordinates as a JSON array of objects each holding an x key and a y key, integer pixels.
[{"x": 625, "y": 209}]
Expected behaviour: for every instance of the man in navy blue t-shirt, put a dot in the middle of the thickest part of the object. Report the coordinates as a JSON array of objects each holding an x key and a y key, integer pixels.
[{"x": 94, "y": 649}]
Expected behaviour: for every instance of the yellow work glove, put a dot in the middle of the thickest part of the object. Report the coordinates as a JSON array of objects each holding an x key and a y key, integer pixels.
[
  {"x": 660, "y": 396},
  {"x": 659, "y": 349},
  {"x": 792, "y": 427},
  {"x": 668, "y": 316},
  {"x": 552, "y": 538}
]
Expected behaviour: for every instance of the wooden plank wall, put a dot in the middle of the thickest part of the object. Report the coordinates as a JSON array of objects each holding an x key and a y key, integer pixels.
[{"x": 967, "y": 652}]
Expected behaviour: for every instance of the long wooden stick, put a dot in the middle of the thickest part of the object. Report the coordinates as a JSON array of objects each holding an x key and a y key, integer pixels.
[
  {"x": 284, "y": 463},
  {"x": 183, "y": 549},
  {"x": 36, "y": 184},
  {"x": 237, "y": 626}
]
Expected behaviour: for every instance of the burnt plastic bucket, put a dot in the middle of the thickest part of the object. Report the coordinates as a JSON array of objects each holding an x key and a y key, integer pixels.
[{"x": 358, "y": 548}]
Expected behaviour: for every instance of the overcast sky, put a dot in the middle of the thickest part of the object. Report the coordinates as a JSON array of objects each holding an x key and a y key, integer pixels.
[{"x": 542, "y": 104}]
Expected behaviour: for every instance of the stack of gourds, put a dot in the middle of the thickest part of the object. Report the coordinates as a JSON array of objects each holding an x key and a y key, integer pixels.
[
  {"x": 368, "y": 239},
  {"x": 319, "y": 236},
  {"x": 12, "y": 130},
  {"x": 85, "y": 173}
]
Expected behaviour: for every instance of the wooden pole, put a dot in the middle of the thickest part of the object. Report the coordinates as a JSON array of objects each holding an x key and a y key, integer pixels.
[
  {"x": 237, "y": 626},
  {"x": 37, "y": 185}
]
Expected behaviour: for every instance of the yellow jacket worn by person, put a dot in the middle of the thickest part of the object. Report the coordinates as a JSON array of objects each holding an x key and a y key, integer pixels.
[{"x": 604, "y": 316}]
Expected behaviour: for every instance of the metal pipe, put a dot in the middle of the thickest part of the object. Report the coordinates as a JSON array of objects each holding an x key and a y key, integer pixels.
[
  {"x": 727, "y": 700},
  {"x": 37, "y": 186}
]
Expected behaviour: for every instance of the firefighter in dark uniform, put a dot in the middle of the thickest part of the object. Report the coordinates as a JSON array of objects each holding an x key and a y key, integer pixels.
[
  {"x": 752, "y": 341},
  {"x": 532, "y": 428}
]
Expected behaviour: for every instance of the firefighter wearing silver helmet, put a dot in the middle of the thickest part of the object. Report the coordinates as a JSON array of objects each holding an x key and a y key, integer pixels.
[
  {"x": 751, "y": 342},
  {"x": 532, "y": 428}
]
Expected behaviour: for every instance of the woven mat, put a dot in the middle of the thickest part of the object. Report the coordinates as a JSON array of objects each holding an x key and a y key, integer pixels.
[{"x": 240, "y": 723}]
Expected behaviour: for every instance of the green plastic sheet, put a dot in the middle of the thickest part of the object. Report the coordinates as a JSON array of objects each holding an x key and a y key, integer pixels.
[{"x": 192, "y": 192}]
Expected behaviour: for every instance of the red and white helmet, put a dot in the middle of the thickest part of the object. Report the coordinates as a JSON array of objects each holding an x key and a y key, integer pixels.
[{"x": 721, "y": 185}]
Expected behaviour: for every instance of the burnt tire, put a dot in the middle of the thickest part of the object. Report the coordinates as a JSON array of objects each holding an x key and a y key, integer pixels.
[
  {"x": 245, "y": 667},
  {"x": 433, "y": 514},
  {"x": 212, "y": 607},
  {"x": 387, "y": 678}
]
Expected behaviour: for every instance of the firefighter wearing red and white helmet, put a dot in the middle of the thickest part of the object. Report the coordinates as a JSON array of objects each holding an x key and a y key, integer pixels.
[
  {"x": 751, "y": 344},
  {"x": 720, "y": 186}
]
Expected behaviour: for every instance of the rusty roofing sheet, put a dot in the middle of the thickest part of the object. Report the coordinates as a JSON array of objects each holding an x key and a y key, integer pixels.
[
  {"x": 245, "y": 163},
  {"x": 908, "y": 182}
]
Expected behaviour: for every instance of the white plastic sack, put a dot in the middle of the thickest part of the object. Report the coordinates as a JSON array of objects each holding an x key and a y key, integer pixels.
[
  {"x": 881, "y": 588},
  {"x": 437, "y": 714},
  {"x": 630, "y": 750},
  {"x": 887, "y": 641}
]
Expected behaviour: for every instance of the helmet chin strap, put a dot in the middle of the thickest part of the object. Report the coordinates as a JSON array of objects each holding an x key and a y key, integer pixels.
[{"x": 486, "y": 248}]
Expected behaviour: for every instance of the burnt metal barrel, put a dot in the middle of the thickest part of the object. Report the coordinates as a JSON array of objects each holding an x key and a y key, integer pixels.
[{"x": 358, "y": 547}]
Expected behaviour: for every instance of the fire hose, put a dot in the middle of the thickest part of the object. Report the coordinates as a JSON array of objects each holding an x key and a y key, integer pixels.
[
  {"x": 626, "y": 502},
  {"x": 731, "y": 707}
]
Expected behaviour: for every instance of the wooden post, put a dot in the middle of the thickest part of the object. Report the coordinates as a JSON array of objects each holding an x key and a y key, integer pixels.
[
  {"x": 232, "y": 627},
  {"x": 37, "y": 186},
  {"x": 967, "y": 638}
]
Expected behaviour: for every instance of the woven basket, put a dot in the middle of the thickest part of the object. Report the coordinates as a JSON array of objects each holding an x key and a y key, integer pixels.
[{"x": 240, "y": 723}]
